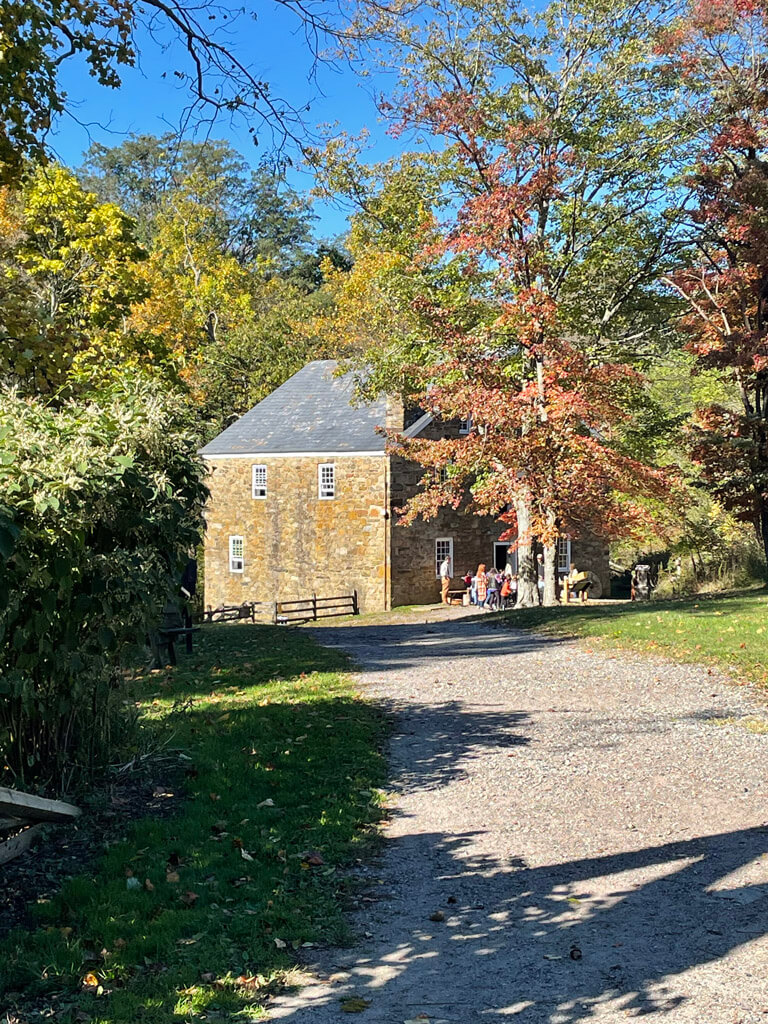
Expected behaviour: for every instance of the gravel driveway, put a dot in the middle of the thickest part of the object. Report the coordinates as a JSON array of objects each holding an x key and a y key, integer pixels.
[{"x": 590, "y": 833}]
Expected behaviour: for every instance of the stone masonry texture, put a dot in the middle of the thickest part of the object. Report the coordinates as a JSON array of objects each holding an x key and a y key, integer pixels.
[{"x": 294, "y": 542}]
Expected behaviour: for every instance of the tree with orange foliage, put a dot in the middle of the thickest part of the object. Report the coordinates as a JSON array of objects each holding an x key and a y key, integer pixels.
[
  {"x": 554, "y": 152},
  {"x": 720, "y": 49}
]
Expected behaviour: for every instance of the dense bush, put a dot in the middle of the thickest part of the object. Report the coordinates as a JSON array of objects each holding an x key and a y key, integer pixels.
[{"x": 100, "y": 504}]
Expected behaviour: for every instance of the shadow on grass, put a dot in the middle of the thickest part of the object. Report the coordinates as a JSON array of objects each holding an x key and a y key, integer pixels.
[{"x": 738, "y": 602}]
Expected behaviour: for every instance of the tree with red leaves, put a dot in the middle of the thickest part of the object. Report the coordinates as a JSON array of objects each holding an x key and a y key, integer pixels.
[
  {"x": 551, "y": 129},
  {"x": 721, "y": 49},
  {"x": 543, "y": 451}
]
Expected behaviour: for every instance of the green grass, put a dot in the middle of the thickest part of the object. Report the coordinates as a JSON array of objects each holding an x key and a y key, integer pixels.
[
  {"x": 222, "y": 892},
  {"x": 727, "y": 631}
]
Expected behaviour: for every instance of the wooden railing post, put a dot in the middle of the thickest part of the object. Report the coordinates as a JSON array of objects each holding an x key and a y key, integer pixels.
[
  {"x": 355, "y": 609},
  {"x": 314, "y": 606},
  {"x": 275, "y": 612}
]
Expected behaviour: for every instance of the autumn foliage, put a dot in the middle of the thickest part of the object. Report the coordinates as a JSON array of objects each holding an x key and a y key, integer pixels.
[
  {"x": 725, "y": 286},
  {"x": 543, "y": 452}
]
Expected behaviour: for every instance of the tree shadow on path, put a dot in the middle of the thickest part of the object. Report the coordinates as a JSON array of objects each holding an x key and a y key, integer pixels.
[{"x": 610, "y": 935}]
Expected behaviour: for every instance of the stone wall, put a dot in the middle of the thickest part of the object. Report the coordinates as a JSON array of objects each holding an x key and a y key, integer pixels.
[
  {"x": 414, "y": 577},
  {"x": 294, "y": 542}
]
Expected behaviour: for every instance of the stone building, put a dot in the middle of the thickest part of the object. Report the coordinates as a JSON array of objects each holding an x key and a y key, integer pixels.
[{"x": 302, "y": 500}]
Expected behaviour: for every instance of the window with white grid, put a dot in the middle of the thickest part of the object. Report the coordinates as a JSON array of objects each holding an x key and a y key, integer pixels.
[
  {"x": 326, "y": 480},
  {"x": 236, "y": 555},
  {"x": 259, "y": 481},
  {"x": 465, "y": 425},
  {"x": 443, "y": 549},
  {"x": 563, "y": 555}
]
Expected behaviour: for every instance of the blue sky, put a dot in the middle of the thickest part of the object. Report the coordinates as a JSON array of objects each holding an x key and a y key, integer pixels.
[{"x": 274, "y": 44}]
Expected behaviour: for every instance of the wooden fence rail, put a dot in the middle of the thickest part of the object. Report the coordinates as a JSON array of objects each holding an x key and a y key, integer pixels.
[
  {"x": 310, "y": 609},
  {"x": 306, "y": 609}
]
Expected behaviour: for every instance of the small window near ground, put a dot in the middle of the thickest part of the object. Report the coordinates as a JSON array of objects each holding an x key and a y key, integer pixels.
[
  {"x": 259, "y": 481},
  {"x": 443, "y": 550},
  {"x": 326, "y": 480},
  {"x": 236, "y": 558},
  {"x": 563, "y": 555}
]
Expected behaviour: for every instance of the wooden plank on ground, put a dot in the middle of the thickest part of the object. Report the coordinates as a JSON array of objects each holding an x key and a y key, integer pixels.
[
  {"x": 18, "y": 844},
  {"x": 35, "y": 808}
]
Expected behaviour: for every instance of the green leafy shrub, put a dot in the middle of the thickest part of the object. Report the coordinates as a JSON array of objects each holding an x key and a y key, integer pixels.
[{"x": 100, "y": 504}]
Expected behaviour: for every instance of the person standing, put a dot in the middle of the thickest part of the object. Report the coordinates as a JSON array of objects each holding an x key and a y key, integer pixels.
[
  {"x": 540, "y": 576},
  {"x": 481, "y": 585},
  {"x": 445, "y": 579}
]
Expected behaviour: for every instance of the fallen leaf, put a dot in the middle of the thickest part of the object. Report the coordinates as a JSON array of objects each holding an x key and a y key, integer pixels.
[
  {"x": 315, "y": 859},
  {"x": 245, "y": 855},
  {"x": 189, "y": 898},
  {"x": 280, "y": 944},
  {"x": 354, "y": 1004},
  {"x": 269, "y": 802},
  {"x": 208, "y": 977},
  {"x": 132, "y": 883},
  {"x": 148, "y": 885},
  {"x": 437, "y": 915},
  {"x": 91, "y": 983},
  {"x": 172, "y": 877}
]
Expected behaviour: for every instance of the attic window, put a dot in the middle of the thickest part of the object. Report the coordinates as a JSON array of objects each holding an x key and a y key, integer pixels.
[
  {"x": 326, "y": 480},
  {"x": 259, "y": 481},
  {"x": 236, "y": 556}
]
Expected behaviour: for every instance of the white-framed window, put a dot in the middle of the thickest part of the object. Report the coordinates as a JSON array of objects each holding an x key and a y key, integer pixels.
[
  {"x": 259, "y": 481},
  {"x": 443, "y": 549},
  {"x": 326, "y": 480},
  {"x": 465, "y": 425},
  {"x": 236, "y": 554},
  {"x": 564, "y": 555}
]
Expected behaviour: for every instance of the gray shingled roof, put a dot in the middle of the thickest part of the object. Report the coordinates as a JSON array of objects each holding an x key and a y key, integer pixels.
[{"x": 311, "y": 412}]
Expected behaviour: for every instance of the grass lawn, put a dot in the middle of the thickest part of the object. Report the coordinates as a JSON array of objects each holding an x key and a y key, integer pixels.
[
  {"x": 196, "y": 916},
  {"x": 728, "y": 631}
]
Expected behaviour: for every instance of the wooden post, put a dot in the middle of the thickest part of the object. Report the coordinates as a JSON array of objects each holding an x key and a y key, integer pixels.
[
  {"x": 275, "y": 611},
  {"x": 314, "y": 606},
  {"x": 355, "y": 607}
]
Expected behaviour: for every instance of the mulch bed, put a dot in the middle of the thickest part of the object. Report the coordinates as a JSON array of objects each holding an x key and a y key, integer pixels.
[{"x": 62, "y": 851}]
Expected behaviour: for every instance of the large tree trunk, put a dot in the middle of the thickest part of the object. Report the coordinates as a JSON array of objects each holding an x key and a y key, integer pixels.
[
  {"x": 527, "y": 590},
  {"x": 549, "y": 598},
  {"x": 764, "y": 533}
]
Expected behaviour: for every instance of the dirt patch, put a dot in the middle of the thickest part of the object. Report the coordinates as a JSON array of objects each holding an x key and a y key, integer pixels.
[{"x": 62, "y": 851}]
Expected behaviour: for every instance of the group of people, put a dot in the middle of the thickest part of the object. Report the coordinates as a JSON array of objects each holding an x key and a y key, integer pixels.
[
  {"x": 491, "y": 588},
  {"x": 497, "y": 588}
]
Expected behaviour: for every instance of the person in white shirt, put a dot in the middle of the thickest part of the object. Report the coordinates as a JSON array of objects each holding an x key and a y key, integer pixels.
[{"x": 445, "y": 580}]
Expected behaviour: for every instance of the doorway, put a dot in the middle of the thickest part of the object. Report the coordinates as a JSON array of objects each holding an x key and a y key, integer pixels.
[{"x": 500, "y": 556}]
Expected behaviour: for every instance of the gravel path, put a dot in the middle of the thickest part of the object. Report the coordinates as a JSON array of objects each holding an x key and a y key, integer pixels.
[{"x": 589, "y": 832}]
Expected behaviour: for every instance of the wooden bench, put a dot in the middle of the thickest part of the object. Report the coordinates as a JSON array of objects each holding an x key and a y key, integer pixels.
[
  {"x": 21, "y": 815},
  {"x": 176, "y": 623},
  {"x": 168, "y": 638},
  {"x": 457, "y": 596}
]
